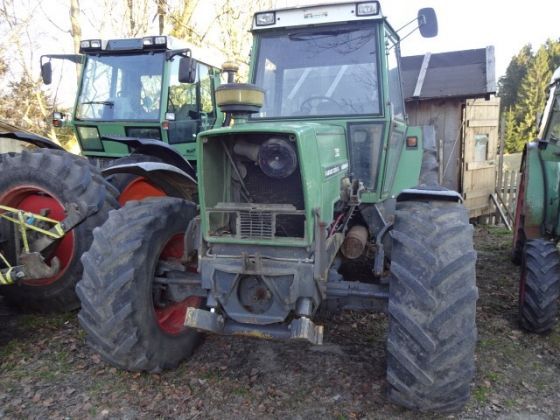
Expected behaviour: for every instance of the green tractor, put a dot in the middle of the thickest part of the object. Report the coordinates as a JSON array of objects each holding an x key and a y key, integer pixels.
[
  {"x": 319, "y": 197},
  {"x": 141, "y": 100},
  {"x": 537, "y": 221},
  {"x": 139, "y": 106}
]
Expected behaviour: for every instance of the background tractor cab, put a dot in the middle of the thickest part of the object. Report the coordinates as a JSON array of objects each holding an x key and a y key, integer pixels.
[{"x": 149, "y": 88}]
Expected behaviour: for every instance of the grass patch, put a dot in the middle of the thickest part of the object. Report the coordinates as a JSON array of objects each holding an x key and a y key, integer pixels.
[
  {"x": 50, "y": 321},
  {"x": 480, "y": 394},
  {"x": 493, "y": 376}
]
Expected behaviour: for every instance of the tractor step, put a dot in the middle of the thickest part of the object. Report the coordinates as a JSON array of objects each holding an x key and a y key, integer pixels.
[{"x": 299, "y": 329}]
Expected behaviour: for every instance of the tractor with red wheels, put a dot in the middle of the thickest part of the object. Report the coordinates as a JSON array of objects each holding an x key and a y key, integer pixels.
[
  {"x": 50, "y": 201},
  {"x": 537, "y": 221},
  {"x": 139, "y": 106},
  {"x": 318, "y": 196}
]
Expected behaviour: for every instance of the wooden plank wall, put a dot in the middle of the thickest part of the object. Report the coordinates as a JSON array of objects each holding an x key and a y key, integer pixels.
[
  {"x": 479, "y": 171},
  {"x": 445, "y": 116}
]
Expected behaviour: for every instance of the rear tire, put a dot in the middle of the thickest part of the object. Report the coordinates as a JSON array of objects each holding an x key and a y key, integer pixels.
[
  {"x": 30, "y": 179},
  {"x": 539, "y": 286},
  {"x": 116, "y": 291},
  {"x": 432, "y": 307}
]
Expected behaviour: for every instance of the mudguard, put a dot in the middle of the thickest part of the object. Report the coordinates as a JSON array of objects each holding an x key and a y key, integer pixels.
[
  {"x": 11, "y": 132},
  {"x": 156, "y": 148},
  {"x": 167, "y": 177},
  {"x": 439, "y": 194}
]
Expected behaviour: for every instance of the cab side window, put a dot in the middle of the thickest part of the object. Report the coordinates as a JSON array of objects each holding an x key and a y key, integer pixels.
[{"x": 191, "y": 103}]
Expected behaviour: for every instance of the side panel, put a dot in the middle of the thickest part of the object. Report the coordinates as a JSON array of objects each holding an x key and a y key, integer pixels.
[
  {"x": 534, "y": 193},
  {"x": 395, "y": 148},
  {"x": 543, "y": 189},
  {"x": 408, "y": 170}
]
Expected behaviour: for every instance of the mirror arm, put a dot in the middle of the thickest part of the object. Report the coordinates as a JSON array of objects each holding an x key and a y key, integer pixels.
[
  {"x": 184, "y": 52},
  {"x": 406, "y": 24},
  {"x": 74, "y": 58}
]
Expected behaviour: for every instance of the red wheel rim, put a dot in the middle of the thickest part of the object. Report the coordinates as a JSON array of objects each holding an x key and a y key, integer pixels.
[
  {"x": 518, "y": 228},
  {"x": 138, "y": 189},
  {"x": 34, "y": 199},
  {"x": 171, "y": 318},
  {"x": 522, "y": 279}
]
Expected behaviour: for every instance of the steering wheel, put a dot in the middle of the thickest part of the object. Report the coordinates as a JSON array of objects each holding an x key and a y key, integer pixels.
[
  {"x": 147, "y": 103},
  {"x": 306, "y": 106}
]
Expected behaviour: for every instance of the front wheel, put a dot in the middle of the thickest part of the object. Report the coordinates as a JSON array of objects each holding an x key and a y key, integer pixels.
[
  {"x": 539, "y": 286},
  {"x": 133, "y": 318},
  {"x": 432, "y": 307}
]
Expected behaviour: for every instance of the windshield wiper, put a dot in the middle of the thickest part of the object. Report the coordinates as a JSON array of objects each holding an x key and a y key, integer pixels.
[
  {"x": 107, "y": 103},
  {"x": 304, "y": 36}
]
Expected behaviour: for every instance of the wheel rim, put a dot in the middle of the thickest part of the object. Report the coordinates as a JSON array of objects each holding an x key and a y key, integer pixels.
[
  {"x": 33, "y": 199},
  {"x": 138, "y": 189},
  {"x": 518, "y": 228},
  {"x": 171, "y": 318}
]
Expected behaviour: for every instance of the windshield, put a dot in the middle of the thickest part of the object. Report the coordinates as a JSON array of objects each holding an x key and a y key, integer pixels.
[
  {"x": 124, "y": 87},
  {"x": 553, "y": 129},
  {"x": 319, "y": 71}
]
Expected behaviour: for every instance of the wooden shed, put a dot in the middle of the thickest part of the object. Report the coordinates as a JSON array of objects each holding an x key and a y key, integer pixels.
[{"x": 454, "y": 91}]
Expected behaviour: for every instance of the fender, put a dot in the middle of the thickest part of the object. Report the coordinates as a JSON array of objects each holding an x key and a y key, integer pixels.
[
  {"x": 168, "y": 178},
  {"x": 156, "y": 148},
  {"x": 11, "y": 132},
  {"x": 433, "y": 193}
]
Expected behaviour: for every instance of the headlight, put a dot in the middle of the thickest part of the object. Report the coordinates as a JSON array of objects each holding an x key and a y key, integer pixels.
[
  {"x": 369, "y": 8},
  {"x": 265, "y": 19},
  {"x": 89, "y": 139}
]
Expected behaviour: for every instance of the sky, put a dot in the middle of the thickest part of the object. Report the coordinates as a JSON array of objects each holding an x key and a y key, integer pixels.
[
  {"x": 465, "y": 24},
  {"x": 468, "y": 24}
]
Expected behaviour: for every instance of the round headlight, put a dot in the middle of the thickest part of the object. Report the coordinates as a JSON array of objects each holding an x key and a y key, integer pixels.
[{"x": 277, "y": 158}]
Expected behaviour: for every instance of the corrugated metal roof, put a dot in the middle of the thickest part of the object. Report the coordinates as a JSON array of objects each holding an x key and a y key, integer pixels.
[{"x": 464, "y": 74}]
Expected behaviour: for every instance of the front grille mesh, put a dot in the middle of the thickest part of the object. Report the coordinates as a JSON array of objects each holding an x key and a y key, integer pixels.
[
  {"x": 256, "y": 221},
  {"x": 256, "y": 225}
]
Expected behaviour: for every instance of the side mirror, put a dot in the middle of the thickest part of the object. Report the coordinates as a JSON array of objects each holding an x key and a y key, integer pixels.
[
  {"x": 427, "y": 22},
  {"x": 46, "y": 73},
  {"x": 187, "y": 70}
]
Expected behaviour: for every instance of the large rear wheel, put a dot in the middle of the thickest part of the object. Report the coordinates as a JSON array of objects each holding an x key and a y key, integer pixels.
[
  {"x": 133, "y": 319},
  {"x": 539, "y": 286},
  {"x": 44, "y": 181},
  {"x": 432, "y": 307}
]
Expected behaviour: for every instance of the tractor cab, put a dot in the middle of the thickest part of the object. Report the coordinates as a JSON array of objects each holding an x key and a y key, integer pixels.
[
  {"x": 147, "y": 87},
  {"x": 549, "y": 128}
]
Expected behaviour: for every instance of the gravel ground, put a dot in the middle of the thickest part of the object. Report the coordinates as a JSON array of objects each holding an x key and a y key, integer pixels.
[{"x": 47, "y": 371}]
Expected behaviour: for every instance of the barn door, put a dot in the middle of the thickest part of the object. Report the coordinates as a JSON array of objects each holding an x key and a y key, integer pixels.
[{"x": 480, "y": 144}]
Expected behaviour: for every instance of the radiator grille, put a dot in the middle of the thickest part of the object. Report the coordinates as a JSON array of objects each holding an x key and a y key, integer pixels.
[
  {"x": 257, "y": 221},
  {"x": 256, "y": 225}
]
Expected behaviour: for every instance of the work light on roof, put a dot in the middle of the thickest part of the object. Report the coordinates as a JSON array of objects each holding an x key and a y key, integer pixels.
[
  {"x": 265, "y": 19},
  {"x": 160, "y": 40},
  {"x": 148, "y": 41},
  {"x": 369, "y": 8},
  {"x": 90, "y": 44}
]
